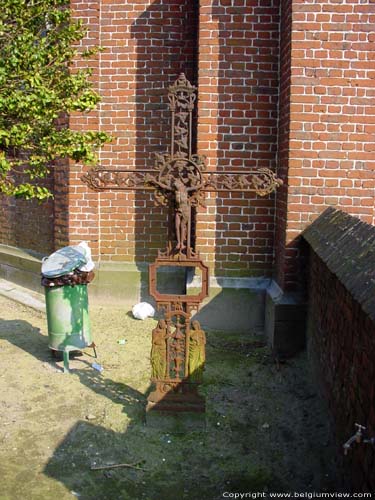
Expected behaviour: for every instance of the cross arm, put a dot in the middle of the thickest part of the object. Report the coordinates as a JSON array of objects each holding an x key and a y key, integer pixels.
[
  {"x": 101, "y": 179},
  {"x": 262, "y": 181}
]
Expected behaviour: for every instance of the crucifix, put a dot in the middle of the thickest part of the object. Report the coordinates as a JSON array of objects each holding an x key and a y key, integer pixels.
[{"x": 179, "y": 180}]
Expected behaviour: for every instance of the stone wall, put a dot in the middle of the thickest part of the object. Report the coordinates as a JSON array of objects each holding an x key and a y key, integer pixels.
[{"x": 341, "y": 332}]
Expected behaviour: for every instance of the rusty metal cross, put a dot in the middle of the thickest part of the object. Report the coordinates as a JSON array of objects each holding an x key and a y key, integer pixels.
[{"x": 179, "y": 180}]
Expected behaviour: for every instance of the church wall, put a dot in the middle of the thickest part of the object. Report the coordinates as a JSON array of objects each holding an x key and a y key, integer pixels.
[
  {"x": 146, "y": 45},
  {"x": 332, "y": 100},
  {"x": 237, "y": 129}
]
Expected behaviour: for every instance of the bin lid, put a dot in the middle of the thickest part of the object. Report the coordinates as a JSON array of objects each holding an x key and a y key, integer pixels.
[{"x": 62, "y": 262}]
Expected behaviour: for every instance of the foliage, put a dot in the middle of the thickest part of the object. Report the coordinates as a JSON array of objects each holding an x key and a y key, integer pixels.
[{"x": 39, "y": 42}]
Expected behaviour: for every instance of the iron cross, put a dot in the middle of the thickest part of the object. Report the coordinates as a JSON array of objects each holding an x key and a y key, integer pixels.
[{"x": 179, "y": 180}]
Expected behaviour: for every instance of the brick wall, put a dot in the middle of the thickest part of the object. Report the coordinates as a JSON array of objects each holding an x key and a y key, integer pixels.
[
  {"x": 283, "y": 141},
  {"x": 27, "y": 224},
  {"x": 237, "y": 128},
  {"x": 319, "y": 131},
  {"x": 77, "y": 209},
  {"x": 332, "y": 101},
  {"x": 147, "y": 44},
  {"x": 341, "y": 333},
  {"x": 343, "y": 346}
]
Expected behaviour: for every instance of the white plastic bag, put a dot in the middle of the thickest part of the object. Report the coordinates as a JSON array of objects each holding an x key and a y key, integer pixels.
[
  {"x": 143, "y": 310},
  {"x": 86, "y": 251}
]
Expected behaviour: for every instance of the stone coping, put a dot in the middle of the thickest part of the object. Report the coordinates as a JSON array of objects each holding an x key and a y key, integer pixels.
[{"x": 347, "y": 246}]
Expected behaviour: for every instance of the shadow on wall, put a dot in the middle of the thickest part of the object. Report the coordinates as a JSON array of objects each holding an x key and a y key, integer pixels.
[
  {"x": 165, "y": 35},
  {"x": 247, "y": 72},
  {"x": 234, "y": 310},
  {"x": 166, "y": 40}
]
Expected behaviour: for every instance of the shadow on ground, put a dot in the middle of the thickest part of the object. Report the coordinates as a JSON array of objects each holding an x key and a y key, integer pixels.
[{"x": 266, "y": 428}]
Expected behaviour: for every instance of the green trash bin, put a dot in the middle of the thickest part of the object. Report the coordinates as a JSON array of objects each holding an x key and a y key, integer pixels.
[
  {"x": 67, "y": 302},
  {"x": 68, "y": 317}
]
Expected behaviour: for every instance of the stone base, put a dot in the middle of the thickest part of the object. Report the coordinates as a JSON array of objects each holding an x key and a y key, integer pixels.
[
  {"x": 179, "y": 411},
  {"x": 285, "y": 322},
  {"x": 184, "y": 398},
  {"x": 21, "y": 267},
  {"x": 234, "y": 304},
  {"x": 239, "y": 310}
]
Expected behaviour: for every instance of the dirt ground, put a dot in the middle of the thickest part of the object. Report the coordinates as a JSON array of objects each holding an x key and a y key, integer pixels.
[{"x": 266, "y": 428}]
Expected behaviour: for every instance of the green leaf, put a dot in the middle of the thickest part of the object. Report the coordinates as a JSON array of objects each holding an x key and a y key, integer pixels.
[{"x": 39, "y": 42}]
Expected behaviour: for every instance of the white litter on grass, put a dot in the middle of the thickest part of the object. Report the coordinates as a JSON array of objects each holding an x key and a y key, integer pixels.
[{"x": 143, "y": 310}]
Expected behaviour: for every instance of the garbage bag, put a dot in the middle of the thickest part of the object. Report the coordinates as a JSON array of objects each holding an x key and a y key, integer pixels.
[
  {"x": 86, "y": 250},
  {"x": 70, "y": 265},
  {"x": 62, "y": 262},
  {"x": 143, "y": 310}
]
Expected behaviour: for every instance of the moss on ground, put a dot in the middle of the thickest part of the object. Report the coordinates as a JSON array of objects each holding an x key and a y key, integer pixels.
[{"x": 266, "y": 429}]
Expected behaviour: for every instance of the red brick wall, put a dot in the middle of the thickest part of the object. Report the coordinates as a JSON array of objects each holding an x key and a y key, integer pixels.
[
  {"x": 342, "y": 345},
  {"x": 77, "y": 209},
  {"x": 332, "y": 122},
  {"x": 283, "y": 140},
  {"x": 237, "y": 128},
  {"x": 147, "y": 44},
  {"x": 325, "y": 135},
  {"x": 27, "y": 224}
]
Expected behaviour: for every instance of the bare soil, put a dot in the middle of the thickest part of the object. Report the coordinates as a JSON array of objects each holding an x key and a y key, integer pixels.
[{"x": 267, "y": 429}]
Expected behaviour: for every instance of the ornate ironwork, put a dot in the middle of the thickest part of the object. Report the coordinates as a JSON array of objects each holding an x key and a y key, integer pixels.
[
  {"x": 179, "y": 180},
  {"x": 177, "y": 361},
  {"x": 262, "y": 181},
  {"x": 178, "y": 373}
]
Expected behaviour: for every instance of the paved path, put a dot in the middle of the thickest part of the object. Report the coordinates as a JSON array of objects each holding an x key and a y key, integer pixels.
[{"x": 22, "y": 295}]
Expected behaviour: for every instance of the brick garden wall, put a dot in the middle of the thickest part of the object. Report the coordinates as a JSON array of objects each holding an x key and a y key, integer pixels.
[
  {"x": 341, "y": 333},
  {"x": 332, "y": 121}
]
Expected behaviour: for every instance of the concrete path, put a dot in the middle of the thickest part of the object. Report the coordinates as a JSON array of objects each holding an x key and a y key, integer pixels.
[{"x": 22, "y": 295}]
